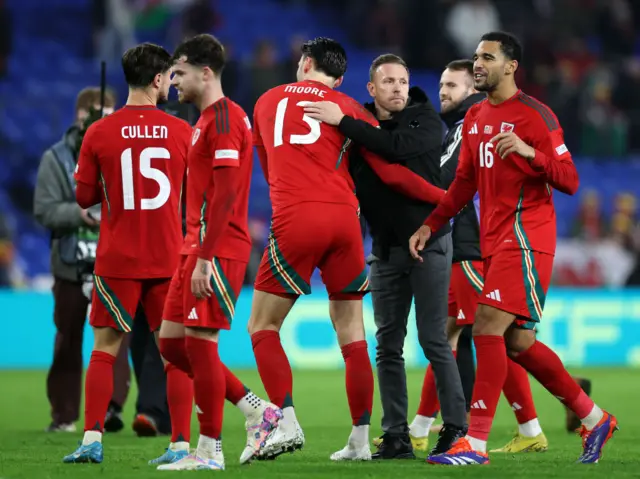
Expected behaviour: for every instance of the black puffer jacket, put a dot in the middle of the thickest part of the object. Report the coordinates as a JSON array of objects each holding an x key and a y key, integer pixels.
[{"x": 412, "y": 137}]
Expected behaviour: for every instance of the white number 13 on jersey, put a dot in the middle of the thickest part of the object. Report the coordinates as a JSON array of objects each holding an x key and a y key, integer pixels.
[
  {"x": 146, "y": 170},
  {"x": 307, "y": 139}
]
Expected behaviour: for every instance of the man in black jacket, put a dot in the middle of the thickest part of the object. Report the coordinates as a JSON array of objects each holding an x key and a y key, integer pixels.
[{"x": 411, "y": 134}]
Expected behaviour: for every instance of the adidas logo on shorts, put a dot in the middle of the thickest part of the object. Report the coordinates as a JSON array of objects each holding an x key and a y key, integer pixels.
[
  {"x": 193, "y": 314},
  {"x": 479, "y": 405},
  {"x": 495, "y": 295}
]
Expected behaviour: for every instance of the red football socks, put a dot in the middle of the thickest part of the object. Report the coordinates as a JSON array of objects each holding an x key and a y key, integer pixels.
[
  {"x": 546, "y": 367},
  {"x": 491, "y": 373},
  {"x": 429, "y": 403},
  {"x": 98, "y": 388},
  {"x": 174, "y": 351},
  {"x": 209, "y": 384},
  {"x": 517, "y": 390},
  {"x": 359, "y": 381},
  {"x": 234, "y": 387},
  {"x": 273, "y": 367},
  {"x": 180, "y": 400}
]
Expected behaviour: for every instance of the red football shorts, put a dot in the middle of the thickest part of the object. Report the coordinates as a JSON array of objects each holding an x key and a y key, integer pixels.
[
  {"x": 465, "y": 288},
  {"x": 214, "y": 312},
  {"x": 307, "y": 236},
  {"x": 516, "y": 281},
  {"x": 453, "y": 307},
  {"x": 115, "y": 302}
]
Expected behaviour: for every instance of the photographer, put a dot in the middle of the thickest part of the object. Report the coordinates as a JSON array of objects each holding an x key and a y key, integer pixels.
[
  {"x": 74, "y": 233},
  {"x": 410, "y": 133}
]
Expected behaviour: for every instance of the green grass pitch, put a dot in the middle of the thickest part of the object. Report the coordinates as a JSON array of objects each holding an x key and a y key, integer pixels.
[{"x": 27, "y": 452}]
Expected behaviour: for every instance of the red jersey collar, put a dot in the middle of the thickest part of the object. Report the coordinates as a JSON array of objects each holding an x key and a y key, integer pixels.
[
  {"x": 210, "y": 107},
  {"x": 515, "y": 96},
  {"x": 141, "y": 107}
]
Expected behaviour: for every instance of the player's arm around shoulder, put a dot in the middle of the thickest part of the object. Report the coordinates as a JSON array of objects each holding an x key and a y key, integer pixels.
[
  {"x": 353, "y": 121},
  {"x": 417, "y": 133}
]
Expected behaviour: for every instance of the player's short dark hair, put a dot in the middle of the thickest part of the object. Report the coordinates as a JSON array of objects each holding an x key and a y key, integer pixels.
[
  {"x": 384, "y": 60},
  {"x": 509, "y": 44},
  {"x": 202, "y": 50},
  {"x": 142, "y": 63},
  {"x": 462, "y": 65},
  {"x": 329, "y": 56}
]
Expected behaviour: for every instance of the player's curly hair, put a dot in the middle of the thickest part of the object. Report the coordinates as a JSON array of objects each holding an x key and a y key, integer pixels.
[
  {"x": 509, "y": 44},
  {"x": 329, "y": 56},
  {"x": 202, "y": 50}
]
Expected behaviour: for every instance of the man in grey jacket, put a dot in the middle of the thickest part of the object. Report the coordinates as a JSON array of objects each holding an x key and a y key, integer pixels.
[{"x": 56, "y": 209}]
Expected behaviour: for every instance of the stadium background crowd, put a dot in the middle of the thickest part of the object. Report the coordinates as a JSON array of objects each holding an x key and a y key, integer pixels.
[{"x": 585, "y": 67}]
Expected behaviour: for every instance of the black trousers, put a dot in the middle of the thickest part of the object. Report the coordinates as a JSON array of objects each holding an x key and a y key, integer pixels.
[
  {"x": 466, "y": 363},
  {"x": 149, "y": 373},
  {"x": 64, "y": 381}
]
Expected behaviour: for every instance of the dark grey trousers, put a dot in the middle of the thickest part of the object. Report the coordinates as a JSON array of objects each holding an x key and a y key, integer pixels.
[
  {"x": 149, "y": 372},
  {"x": 394, "y": 283}
]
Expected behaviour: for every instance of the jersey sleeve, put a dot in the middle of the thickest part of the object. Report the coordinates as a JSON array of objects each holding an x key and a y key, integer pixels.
[
  {"x": 87, "y": 173},
  {"x": 225, "y": 137},
  {"x": 462, "y": 190},
  {"x": 227, "y": 146},
  {"x": 552, "y": 157},
  {"x": 403, "y": 180},
  {"x": 87, "y": 169}
]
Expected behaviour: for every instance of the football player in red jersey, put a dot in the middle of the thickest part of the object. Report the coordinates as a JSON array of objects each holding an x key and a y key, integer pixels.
[
  {"x": 513, "y": 154},
  {"x": 214, "y": 258},
  {"x": 133, "y": 162},
  {"x": 457, "y": 95},
  {"x": 315, "y": 225}
]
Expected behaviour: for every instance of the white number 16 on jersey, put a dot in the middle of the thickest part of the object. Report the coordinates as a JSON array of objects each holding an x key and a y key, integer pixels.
[{"x": 486, "y": 156}]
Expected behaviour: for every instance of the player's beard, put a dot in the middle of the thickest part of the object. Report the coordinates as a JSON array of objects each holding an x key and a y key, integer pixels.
[
  {"x": 489, "y": 84},
  {"x": 452, "y": 105},
  {"x": 184, "y": 97}
]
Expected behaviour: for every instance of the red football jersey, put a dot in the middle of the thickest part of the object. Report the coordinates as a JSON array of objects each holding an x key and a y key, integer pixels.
[
  {"x": 221, "y": 138},
  {"x": 307, "y": 159},
  {"x": 137, "y": 158},
  {"x": 516, "y": 200}
]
